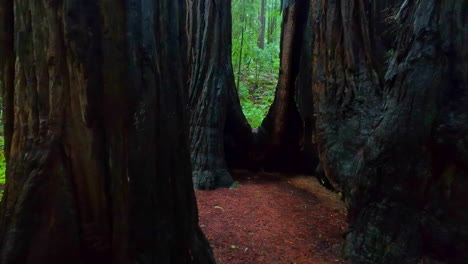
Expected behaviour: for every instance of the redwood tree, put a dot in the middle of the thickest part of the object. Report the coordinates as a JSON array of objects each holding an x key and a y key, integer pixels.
[
  {"x": 279, "y": 140},
  {"x": 216, "y": 114},
  {"x": 219, "y": 130},
  {"x": 98, "y": 160},
  {"x": 393, "y": 135}
]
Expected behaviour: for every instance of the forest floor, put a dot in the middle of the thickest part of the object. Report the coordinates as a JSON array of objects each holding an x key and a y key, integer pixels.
[{"x": 273, "y": 219}]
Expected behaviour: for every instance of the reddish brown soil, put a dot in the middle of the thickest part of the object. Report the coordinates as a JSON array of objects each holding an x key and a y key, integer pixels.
[{"x": 273, "y": 219}]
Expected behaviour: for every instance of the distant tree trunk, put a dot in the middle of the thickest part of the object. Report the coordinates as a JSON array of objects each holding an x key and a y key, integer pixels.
[
  {"x": 214, "y": 102},
  {"x": 272, "y": 21},
  {"x": 395, "y": 142},
  {"x": 241, "y": 48},
  {"x": 278, "y": 139},
  {"x": 261, "y": 34},
  {"x": 98, "y": 159}
]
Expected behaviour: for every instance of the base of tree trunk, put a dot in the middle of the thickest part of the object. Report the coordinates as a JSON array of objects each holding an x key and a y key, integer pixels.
[{"x": 212, "y": 179}]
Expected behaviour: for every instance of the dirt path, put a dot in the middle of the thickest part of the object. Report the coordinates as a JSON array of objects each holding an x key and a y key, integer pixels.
[{"x": 275, "y": 220}]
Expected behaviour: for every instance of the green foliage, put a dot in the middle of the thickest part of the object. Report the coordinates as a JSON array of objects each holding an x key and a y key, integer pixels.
[
  {"x": 256, "y": 98},
  {"x": 2, "y": 162},
  {"x": 259, "y": 68},
  {"x": 2, "y": 166}
]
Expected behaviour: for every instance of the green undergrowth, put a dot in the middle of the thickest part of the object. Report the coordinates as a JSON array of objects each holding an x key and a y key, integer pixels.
[
  {"x": 255, "y": 55},
  {"x": 256, "y": 96},
  {"x": 2, "y": 167}
]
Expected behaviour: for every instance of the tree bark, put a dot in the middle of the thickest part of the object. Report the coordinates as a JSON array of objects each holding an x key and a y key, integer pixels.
[
  {"x": 395, "y": 142},
  {"x": 278, "y": 139},
  {"x": 241, "y": 48},
  {"x": 98, "y": 165},
  {"x": 304, "y": 100},
  {"x": 216, "y": 114}
]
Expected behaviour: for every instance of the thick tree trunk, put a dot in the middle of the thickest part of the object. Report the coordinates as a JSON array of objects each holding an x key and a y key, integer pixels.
[
  {"x": 98, "y": 164},
  {"x": 278, "y": 139},
  {"x": 220, "y": 134},
  {"x": 304, "y": 99},
  {"x": 346, "y": 85},
  {"x": 395, "y": 143},
  {"x": 214, "y": 103}
]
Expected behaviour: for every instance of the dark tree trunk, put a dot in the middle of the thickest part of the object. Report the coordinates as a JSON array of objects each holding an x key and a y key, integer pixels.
[
  {"x": 98, "y": 159},
  {"x": 395, "y": 142},
  {"x": 278, "y": 140},
  {"x": 7, "y": 68},
  {"x": 346, "y": 85},
  {"x": 241, "y": 49},
  {"x": 220, "y": 132},
  {"x": 304, "y": 100},
  {"x": 216, "y": 114},
  {"x": 262, "y": 19}
]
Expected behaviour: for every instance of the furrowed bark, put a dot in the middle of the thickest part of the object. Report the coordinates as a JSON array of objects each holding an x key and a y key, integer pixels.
[
  {"x": 278, "y": 139},
  {"x": 346, "y": 85},
  {"x": 165, "y": 229},
  {"x": 213, "y": 99},
  {"x": 220, "y": 133},
  {"x": 96, "y": 173},
  {"x": 395, "y": 143},
  {"x": 304, "y": 99},
  {"x": 420, "y": 144}
]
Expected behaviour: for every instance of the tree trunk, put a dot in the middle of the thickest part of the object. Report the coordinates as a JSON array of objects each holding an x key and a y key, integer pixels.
[
  {"x": 395, "y": 142},
  {"x": 304, "y": 99},
  {"x": 272, "y": 22},
  {"x": 216, "y": 114},
  {"x": 278, "y": 139},
  {"x": 262, "y": 19},
  {"x": 89, "y": 113},
  {"x": 7, "y": 68},
  {"x": 241, "y": 48}
]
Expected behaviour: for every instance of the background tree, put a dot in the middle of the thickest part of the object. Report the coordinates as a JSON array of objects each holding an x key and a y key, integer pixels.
[
  {"x": 220, "y": 132},
  {"x": 262, "y": 19},
  {"x": 273, "y": 16},
  {"x": 216, "y": 115},
  {"x": 279, "y": 137},
  {"x": 241, "y": 46},
  {"x": 98, "y": 160}
]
